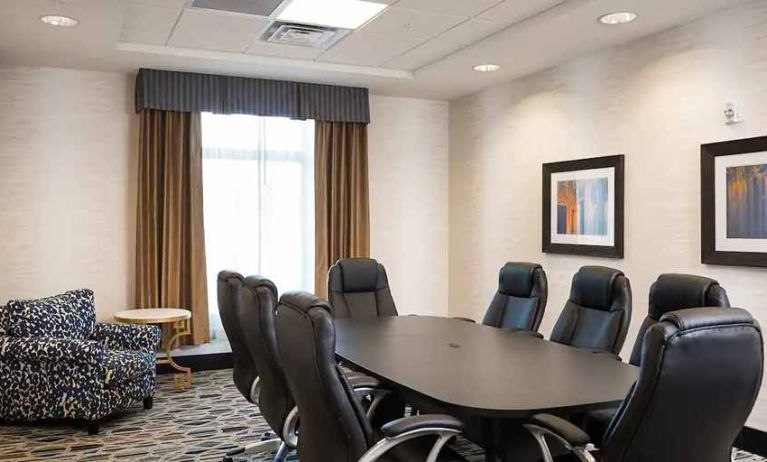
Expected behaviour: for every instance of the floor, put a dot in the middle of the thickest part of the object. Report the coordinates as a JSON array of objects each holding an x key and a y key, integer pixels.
[{"x": 200, "y": 424}]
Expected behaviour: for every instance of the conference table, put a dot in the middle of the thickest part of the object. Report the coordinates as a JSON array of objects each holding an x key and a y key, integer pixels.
[{"x": 492, "y": 377}]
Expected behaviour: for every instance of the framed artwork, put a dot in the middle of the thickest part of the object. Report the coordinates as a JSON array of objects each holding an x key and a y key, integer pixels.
[
  {"x": 733, "y": 178},
  {"x": 583, "y": 207}
]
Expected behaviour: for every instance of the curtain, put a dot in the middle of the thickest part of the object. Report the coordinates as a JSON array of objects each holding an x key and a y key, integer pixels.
[
  {"x": 258, "y": 178},
  {"x": 170, "y": 239},
  {"x": 342, "y": 217}
]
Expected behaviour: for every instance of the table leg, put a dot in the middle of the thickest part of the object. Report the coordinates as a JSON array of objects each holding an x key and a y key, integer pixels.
[
  {"x": 491, "y": 439},
  {"x": 184, "y": 379}
]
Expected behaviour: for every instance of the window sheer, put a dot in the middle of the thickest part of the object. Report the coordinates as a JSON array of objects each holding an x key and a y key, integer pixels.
[{"x": 258, "y": 183}]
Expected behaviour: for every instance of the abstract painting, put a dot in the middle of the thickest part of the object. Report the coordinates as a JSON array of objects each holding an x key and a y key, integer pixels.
[
  {"x": 734, "y": 202},
  {"x": 583, "y": 207}
]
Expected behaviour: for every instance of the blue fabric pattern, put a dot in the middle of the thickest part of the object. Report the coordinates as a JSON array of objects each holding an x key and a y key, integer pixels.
[
  {"x": 54, "y": 376},
  {"x": 68, "y": 315}
]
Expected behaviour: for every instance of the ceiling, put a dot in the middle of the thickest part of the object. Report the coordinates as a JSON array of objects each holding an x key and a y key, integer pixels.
[{"x": 422, "y": 48}]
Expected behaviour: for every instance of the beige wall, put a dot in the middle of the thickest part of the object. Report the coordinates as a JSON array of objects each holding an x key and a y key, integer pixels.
[
  {"x": 408, "y": 141},
  {"x": 655, "y": 101},
  {"x": 67, "y": 176}
]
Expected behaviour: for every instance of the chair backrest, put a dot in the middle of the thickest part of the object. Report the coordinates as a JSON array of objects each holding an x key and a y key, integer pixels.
[
  {"x": 521, "y": 297},
  {"x": 4, "y": 320},
  {"x": 359, "y": 288},
  {"x": 333, "y": 425},
  {"x": 700, "y": 375},
  {"x": 598, "y": 313},
  {"x": 256, "y": 300},
  {"x": 244, "y": 370},
  {"x": 671, "y": 292},
  {"x": 71, "y": 315}
]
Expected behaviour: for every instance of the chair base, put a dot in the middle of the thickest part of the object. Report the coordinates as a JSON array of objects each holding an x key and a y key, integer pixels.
[
  {"x": 93, "y": 427},
  {"x": 148, "y": 402},
  {"x": 260, "y": 447}
]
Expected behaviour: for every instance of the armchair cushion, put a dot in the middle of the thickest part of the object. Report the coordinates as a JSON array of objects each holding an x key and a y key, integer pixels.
[
  {"x": 127, "y": 336},
  {"x": 124, "y": 366},
  {"x": 37, "y": 350},
  {"x": 70, "y": 315}
]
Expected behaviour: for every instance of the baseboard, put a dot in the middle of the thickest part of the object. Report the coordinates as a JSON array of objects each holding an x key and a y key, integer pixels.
[
  {"x": 210, "y": 362},
  {"x": 753, "y": 441}
]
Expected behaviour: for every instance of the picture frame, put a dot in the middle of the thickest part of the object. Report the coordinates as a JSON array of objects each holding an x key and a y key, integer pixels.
[
  {"x": 733, "y": 179},
  {"x": 583, "y": 207}
]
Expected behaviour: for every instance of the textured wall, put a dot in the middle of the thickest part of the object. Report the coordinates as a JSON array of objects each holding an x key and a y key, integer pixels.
[
  {"x": 67, "y": 176},
  {"x": 408, "y": 141},
  {"x": 656, "y": 101}
]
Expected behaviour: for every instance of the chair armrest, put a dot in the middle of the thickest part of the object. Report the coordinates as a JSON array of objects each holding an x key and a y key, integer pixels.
[
  {"x": 607, "y": 354},
  {"x": 528, "y": 333},
  {"x": 51, "y": 350},
  {"x": 132, "y": 337},
  {"x": 407, "y": 428},
  {"x": 420, "y": 422},
  {"x": 461, "y": 318},
  {"x": 357, "y": 380},
  {"x": 573, "y": 438}
]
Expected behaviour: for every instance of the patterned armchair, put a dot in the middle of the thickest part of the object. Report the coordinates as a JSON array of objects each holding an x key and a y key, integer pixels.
[{"x": 57, "y": 362}]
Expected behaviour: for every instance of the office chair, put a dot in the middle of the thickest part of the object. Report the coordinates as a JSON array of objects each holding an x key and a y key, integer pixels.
[
  {"x": 520, "y": 301},
  {"x": 670, "y": 292},
  {"x": 598, "y": 313},
  {"x": 359, "y": 288},
  {"x": 333, "y": 425},
  {"x": 701, "y": 370}
]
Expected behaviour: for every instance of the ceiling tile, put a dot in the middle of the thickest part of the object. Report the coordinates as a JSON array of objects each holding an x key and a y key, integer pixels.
[
  {"x": 456, "y": 38},
  {"x": 143, "y": 36},
  {"x": 211, "y": 30},
  {"x": 152, "y": 16},
  {"x": 512, "y": 11},
  {"x": 465, "y": 8},
  {"x": 405, "y": 22},
  {"x": 369, "y": 49}
]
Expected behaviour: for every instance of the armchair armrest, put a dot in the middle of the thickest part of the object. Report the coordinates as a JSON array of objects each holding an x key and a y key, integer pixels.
[
  {"x": 51, "y": 350},
  {"x": 401, "y": 430},
  {"x": 132, "y": 337},
  {"x": 573, "y": 438}
]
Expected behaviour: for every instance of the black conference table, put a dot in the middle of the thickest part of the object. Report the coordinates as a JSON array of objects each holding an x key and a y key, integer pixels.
[{"x": 482, "y": 374}]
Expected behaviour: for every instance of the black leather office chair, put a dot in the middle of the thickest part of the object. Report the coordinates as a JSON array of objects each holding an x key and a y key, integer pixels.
[
  {"x": 670, "y": 292},
  {"x": 700, "y": 375},
  {"x": 598, "y": 313},
  {"x": 255, "y": 300},
  {"x": 521, "y": 298},
  {"x": 333, "y": 425},
  {"x": 359, "y": 288}
]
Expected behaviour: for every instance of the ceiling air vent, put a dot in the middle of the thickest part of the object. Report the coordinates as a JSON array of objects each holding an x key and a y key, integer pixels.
[
  {"x": 303, "y": 35},
  {"x": 257, "y": 7}
]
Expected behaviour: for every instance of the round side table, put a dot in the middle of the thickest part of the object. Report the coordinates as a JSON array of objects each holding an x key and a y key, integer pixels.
[{"x": 179, "y": 320}]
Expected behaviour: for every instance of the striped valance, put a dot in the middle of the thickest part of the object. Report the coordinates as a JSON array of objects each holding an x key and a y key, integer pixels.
[{"x": 190, "y": 92}]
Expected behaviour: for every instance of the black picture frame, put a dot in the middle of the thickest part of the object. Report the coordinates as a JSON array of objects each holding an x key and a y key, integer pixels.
[
  {"x": 708, "y": 154},
  {"x": 616, "y": 251}
]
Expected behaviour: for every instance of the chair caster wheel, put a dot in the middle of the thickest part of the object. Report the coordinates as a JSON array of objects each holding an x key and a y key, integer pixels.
[{"x": 148, "y": 402}]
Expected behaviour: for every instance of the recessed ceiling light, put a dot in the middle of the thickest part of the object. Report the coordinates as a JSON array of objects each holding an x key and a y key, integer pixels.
[
  {"x": 59, "y": 21},
  {"x": 345, "y": 14},
  {"x": 620, "y": 17},
  {"x": 487, "y": 67}
]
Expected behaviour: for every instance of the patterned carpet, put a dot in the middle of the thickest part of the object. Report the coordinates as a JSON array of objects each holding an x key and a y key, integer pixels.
[{"x": 200, "y": 424}]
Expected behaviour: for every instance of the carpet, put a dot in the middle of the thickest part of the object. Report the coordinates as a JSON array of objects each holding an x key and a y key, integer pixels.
[{"x": 200, "y": 424}]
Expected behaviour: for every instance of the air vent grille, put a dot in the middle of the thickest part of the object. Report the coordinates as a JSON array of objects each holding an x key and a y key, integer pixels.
[
  {"x": 255, "y": 7},
  {"x": 303, "y": 35}
]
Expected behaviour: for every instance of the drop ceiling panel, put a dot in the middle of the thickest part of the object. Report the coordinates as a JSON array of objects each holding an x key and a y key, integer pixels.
[
  {"x": 404, "y": 22},
  {"x": 465, "y": 8},
  {"x": 443, "y": 45},
  {"x": 513, "y": 11},
  {"x": 212, "y": 30},
  {"x": 262, "y": 48},
  {"x": 256, "y": 7},
  {"x": 152, "y": 16},
  {"x": 144, "y": 36},
  {"x": 368, "y": 49}
]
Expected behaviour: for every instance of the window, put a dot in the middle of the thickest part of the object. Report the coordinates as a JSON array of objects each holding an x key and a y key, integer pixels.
[{"x": 258, "y": 183}]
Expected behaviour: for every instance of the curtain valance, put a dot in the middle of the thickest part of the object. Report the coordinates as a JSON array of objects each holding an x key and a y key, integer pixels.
[{"x": 192, "y": 92}]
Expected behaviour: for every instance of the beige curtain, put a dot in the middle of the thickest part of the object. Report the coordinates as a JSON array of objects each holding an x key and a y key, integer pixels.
[
  {"x": 342, "y": 217},
  {"x": 170, "y": 240}
]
